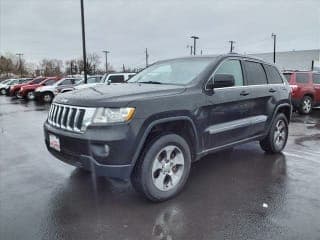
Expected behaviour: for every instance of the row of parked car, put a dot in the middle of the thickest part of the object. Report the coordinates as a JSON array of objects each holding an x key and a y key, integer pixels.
[
  {"x": 305, "y": 87},
  {"x": 46, "y": 88}
]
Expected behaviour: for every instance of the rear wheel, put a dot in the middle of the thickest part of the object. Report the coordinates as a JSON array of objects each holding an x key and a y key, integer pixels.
[
  {"x": 306, "y": 105},
  {"x": 163, "y": 168},
  {"x": 277, "y": 137}
]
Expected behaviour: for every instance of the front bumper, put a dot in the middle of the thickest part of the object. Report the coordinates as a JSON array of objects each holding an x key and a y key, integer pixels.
[{"x": 88, "y": 150}]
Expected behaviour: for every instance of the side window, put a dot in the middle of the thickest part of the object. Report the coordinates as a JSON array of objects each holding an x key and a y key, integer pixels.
[
  {"x": 49, "y": 82},
  {"x": 316, "y": 78},
  {"x": 116, "y": 79},
  {"x": 232, "y": 67},
  {"x": 255, "y": 73},
  {"x": 273, "y": 75},
  {"x": 66, "y": 82},
  {"x": 302, "y": 78}
]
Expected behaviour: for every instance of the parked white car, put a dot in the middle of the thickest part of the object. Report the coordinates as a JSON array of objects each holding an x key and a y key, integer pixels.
[
  {"x": 108, "y": 79},
  {"x": 6, "y": 84},
  {"x": 47, "y": 93}
]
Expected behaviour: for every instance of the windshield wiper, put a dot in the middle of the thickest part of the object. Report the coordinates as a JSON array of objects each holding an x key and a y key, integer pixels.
[{"x": 151, "y": 82}]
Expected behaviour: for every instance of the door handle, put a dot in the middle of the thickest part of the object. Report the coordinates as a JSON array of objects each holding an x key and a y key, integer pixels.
[
  {"x": 244, "y": 93},
  {"x": 272, "y": 90}
]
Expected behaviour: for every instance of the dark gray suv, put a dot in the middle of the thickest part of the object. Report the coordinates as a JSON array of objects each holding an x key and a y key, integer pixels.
[{"x": 169, "y": 115}]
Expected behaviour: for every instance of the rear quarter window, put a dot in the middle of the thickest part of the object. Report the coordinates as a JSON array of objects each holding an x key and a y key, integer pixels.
[
  {"x": 316, "y": 78},
  {"x": 302, "y": 77},
  {"x": 255, "y": 73},
  {"x": 273, "y": 75}
]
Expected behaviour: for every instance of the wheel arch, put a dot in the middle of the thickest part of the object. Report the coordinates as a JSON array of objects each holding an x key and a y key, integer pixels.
[{"x": 169, "y": 124}]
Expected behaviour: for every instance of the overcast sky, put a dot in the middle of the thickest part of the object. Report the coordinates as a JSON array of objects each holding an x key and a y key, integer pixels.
[{"x": 52, "y": 28}]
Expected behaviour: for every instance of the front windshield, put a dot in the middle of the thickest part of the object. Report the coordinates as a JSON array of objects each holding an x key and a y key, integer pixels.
[
  {"x": 177, "y": 72},
  {"x": 13, "y": 82}
]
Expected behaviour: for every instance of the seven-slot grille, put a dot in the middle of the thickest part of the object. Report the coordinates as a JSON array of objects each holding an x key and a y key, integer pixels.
[{"x": 67, "y": 117}]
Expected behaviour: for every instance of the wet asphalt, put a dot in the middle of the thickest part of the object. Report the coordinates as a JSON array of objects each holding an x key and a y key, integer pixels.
[{"x": 240, "y": 193}]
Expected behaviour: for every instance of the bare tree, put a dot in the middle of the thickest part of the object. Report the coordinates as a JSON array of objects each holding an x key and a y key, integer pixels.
[{"x": 51, "y": 67}]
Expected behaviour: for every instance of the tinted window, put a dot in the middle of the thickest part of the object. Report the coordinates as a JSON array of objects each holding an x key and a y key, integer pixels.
[
  {"x": 66, "y": 82},
  {"x": 316, "y": 78},
  {"x": 255, "y": 73},
  {"x": 49, "y": 82},
  {"x": 302, "y": 77},
  {"x": 39, "y": 80},
  {"x": 116, "y": 79},
  {"x": 288, "y": 76},
  {"x": 232, "y": 67},
  {"x": 273, "y": 74}
]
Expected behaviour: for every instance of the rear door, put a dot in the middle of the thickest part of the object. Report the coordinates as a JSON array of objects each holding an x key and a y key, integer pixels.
[
  {"x": 316, "y": 83},
  {"x": 262, "y": 97}
]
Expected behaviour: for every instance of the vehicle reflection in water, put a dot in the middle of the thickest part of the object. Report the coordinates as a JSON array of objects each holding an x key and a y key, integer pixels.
[{"x": 231, "y": 185}]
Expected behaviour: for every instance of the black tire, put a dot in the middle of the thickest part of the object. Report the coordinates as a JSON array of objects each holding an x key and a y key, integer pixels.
[
  {"x": 271, "y": 143},
  {"x": 47, "y": 97},
  {"x": 3, "y": 91},
  {"x": 29, "y": 96},
  {"x": 142, "y": 177},
  {"x": 305, "y": 105}
]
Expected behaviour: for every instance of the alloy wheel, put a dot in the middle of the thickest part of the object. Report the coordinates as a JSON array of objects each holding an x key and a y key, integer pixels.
[
  {"x": 280, "y": 134},
  {"x": 168, "y": 167}
]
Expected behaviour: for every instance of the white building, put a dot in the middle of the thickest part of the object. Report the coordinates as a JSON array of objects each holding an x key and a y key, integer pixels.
[{"x": 294, "y": 60}]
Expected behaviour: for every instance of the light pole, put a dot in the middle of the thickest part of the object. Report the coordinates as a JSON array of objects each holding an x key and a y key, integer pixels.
[
  {"x": 274, "y": 36},
  {"x": 83, "y": 43},
  {"x": 231, "y": 45},
  {"x": 194, "y": 44},
  {"x": 106, "y": 53},
  {"x": 20, "y": 62}
]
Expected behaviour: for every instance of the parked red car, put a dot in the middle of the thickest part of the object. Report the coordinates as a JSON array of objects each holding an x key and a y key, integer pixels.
[
  {"x": 305, "y": 89},
  {"x": 16, "y": 88},
  {"x": 27, "y": 91}
]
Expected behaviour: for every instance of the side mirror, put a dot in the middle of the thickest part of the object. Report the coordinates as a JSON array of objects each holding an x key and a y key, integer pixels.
[{"x": 223, "y": 80}]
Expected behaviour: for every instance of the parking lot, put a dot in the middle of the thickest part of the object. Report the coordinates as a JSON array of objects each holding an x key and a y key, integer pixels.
[{"x": 241, "y": 193}]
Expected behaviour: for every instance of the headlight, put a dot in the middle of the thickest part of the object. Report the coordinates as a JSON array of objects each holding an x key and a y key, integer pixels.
[{"x": 113, "y": 115}]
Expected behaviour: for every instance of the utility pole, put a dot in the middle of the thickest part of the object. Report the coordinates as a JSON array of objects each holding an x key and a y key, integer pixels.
[
  {"x": 20, "y": 62},
  {"x": 201, "y": 52},
  {"x": 147, "y": 58},
  {"x": 194, "y": 44},
  {"x": 106, "y": 53},
  {"x": 123, "y": 68},
  {"x": 231, "y": 45},
  {"x": 83, "y": 43},
  {"x": 274, "y": 36}
]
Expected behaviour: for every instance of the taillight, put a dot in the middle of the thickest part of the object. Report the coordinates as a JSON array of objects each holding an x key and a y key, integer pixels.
[{"x": 293, "y": 88}]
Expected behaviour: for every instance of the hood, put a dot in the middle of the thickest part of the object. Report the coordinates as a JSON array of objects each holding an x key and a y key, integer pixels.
[
  {"x": 28, "y": 87},
  {"x": 116, "y": 95},
  {"x": 46, "y": 88}
]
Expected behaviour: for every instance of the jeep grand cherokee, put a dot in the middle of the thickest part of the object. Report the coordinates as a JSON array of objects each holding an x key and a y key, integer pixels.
[{"x": 169, "y": 115}]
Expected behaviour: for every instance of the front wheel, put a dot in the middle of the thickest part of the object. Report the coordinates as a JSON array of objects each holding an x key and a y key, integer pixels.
[
  {"x": 30, "y": 95},
  {"x": 3, "y": 91},
  {"x": 47, "y": 97},
  {"x": 306, "y": 105},
  {"x": 163, "y": 168},
  {"x": 277, "y": 137}
]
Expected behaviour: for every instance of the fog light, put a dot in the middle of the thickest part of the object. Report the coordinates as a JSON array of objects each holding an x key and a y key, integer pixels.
[{"x": 106, "y": 149}]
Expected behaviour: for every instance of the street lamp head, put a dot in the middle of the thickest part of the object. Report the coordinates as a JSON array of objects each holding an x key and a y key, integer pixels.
[{"x": 195, "y": 37}]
